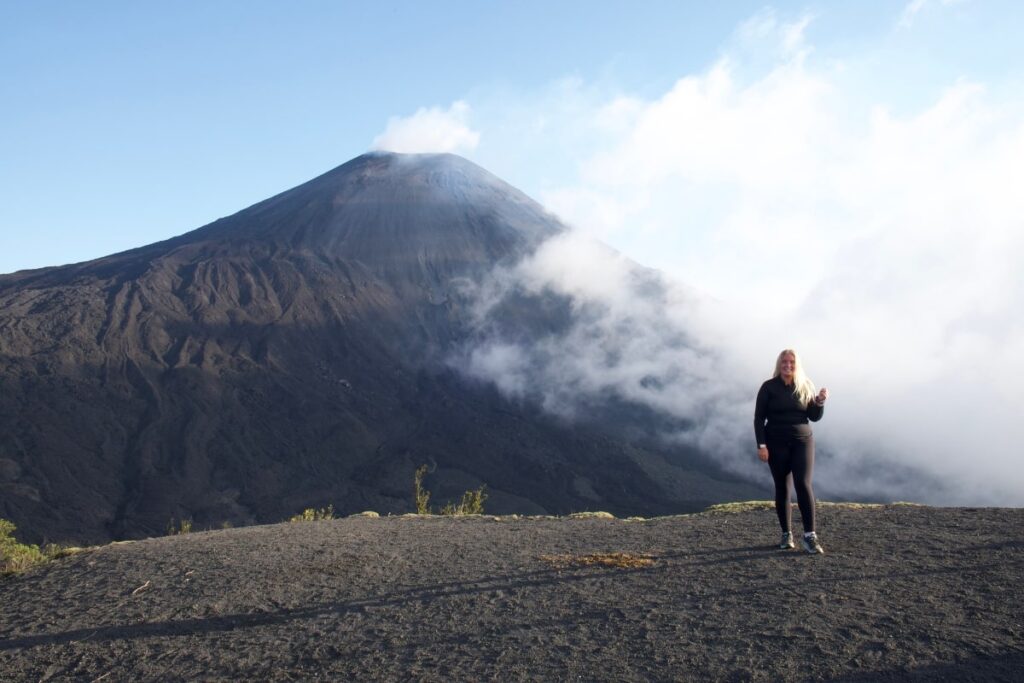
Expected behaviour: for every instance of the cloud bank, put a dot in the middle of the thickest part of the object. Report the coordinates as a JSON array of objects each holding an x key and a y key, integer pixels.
[
  {"x": 883, "y": 244},
  {"x": 429, "y": 130}
]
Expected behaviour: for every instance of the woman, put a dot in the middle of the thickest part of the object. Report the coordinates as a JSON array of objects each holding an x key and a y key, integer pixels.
[{"x": 784, "y": 405}]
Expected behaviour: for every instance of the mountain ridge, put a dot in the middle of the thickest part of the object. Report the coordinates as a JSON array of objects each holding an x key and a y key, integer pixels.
[
  {"x": 298, "y": 353},
  {"x": 311, "y": 218}
]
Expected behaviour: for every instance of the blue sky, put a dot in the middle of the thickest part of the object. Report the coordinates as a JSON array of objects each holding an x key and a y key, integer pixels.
[
  {"x": 124, "y": 123},
  {"x": 842, "y": 174}
]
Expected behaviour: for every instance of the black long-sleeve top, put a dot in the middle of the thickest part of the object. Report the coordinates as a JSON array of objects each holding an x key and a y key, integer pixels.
[{"x": 779, "y": 411}]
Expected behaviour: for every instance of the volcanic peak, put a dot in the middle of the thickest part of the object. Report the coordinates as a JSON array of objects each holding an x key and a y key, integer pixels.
[
  {"x": 382, "y": 211},
  {"x": 389, "y": 210}
]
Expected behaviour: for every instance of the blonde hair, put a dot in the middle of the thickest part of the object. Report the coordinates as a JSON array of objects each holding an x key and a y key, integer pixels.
[{"x": 803, "y": 387}]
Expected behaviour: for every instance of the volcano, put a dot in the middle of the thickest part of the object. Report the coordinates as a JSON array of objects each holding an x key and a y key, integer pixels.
[{"x": 298, "y": 354}]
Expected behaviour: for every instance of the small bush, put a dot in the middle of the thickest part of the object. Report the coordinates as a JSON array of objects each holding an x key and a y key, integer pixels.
[
  {"x": 421, "y": 495},
  {"x": 313, "y": 515},
  {"x": 472, "y": 504},
  {"x": 472, "y": 501},
  {"x": 17, "y": 557},
  {"x": 183, "y": 527}
]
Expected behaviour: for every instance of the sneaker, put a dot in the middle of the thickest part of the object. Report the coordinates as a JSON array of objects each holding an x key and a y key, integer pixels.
[
  {"x": 811, "y": 545},
  {"x": 787, "y": 541}
]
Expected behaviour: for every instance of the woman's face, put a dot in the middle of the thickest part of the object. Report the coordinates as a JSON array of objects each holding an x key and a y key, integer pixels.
[{"x": 787, "y": 365}]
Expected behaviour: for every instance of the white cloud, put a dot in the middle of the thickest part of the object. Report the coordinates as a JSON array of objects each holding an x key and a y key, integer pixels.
[
  {"x": 884, "y": 246},
  {"x": 430, "y": 130},
  {"x": 766, "y": 32},
  {"x": 627, "y": 336},
  {"x": 915, "y": 7},
  {"x": 910, "y": 10}
]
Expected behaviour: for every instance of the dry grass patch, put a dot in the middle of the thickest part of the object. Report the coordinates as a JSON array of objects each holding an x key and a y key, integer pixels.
[
  {"x": 742, "y": 506},
  {"x": 614, "y": 560},
  {"x": 599, "y": 514},
  {"x": 747, "y": 505}
]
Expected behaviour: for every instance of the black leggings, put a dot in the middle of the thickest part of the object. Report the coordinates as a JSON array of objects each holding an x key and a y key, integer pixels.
[{"x": 791, "y": 459}]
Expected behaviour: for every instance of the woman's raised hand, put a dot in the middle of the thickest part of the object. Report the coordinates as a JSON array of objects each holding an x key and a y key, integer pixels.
[{"x": 821, "y": 397}]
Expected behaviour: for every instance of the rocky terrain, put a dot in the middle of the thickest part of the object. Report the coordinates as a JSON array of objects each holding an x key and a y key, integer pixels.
[
  {"x": 297, "y": 354},
  {"x": 903, "y": 593}
]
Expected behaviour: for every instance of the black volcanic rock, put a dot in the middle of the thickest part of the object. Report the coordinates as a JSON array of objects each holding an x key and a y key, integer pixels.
[
  {"x": 526, "y": 600},
  {"x": 290, "y": 355}
]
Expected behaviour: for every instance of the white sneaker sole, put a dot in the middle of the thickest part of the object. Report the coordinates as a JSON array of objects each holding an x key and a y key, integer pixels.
[{"x": 810, "y": 550}]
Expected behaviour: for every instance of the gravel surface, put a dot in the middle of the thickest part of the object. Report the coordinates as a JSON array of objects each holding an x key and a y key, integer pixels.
[{"x": 902, "y": 593}]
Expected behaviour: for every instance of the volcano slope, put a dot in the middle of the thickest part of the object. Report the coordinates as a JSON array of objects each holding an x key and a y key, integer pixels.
[
  {"x": 297, "y": 354},
  {"x": 904, "y": 593}
]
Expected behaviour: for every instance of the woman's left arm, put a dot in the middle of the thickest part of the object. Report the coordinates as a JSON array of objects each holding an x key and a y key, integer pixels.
[{"x": 816, "y": 408}]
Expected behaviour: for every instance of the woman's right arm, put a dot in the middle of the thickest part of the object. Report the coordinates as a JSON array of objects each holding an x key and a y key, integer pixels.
[{"x": 761, "y": 413}]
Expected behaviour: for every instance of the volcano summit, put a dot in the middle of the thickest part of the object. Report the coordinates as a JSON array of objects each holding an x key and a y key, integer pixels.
[{"x": 299, "y": 353}]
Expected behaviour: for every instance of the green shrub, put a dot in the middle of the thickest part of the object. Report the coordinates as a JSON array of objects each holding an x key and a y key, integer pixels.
[
  {"x": 17, "y": 557},
  {"x": 472, "y": 501},
  {"x": 184, "y": 527},
  {"x": 472, "y": 504},
  {"x": 421, "y": 496},
  {"x": 313, "y": 515}
]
